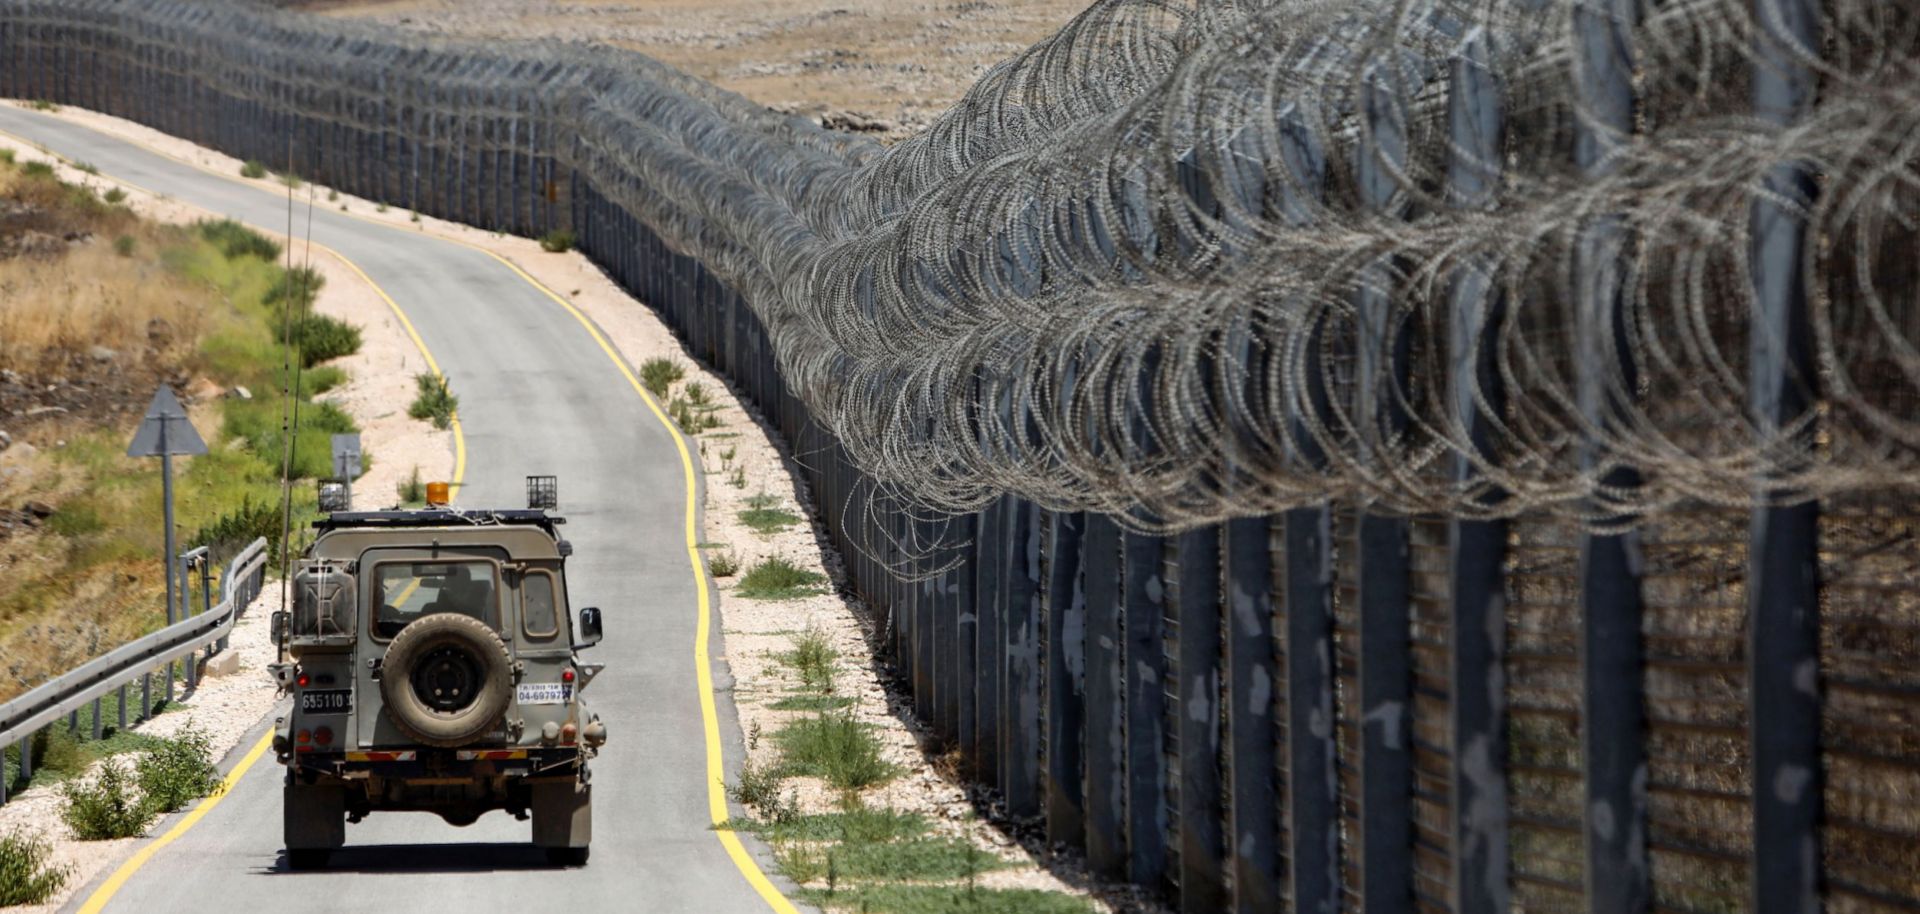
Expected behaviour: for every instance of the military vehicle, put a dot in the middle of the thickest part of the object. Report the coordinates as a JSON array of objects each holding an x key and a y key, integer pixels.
[{"x": 433, "y": 663}]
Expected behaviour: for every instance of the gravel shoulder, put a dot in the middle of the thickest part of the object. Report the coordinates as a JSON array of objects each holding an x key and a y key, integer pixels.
[{"x": 227, "y": 706}]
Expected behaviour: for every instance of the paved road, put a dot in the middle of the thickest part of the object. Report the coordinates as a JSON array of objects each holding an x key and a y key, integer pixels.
[{"x": 537, "y": 395}]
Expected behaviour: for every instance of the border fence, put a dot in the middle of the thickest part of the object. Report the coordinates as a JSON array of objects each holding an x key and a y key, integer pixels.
[{"x": 1690, "y": 685}]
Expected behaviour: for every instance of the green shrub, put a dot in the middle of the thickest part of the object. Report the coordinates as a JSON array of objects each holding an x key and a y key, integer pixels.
[
  {"x": 86, "y": 168},
  {"x": 319, "y": 338},
  {"x": 292, "y": 180},
  {"x": 115, "y": 195},
  {"x": 106, "y": 807},
  {"x": 834, "y": 747},
  {"x": 333, "y": 196},
  {"x": 41, "y": 104},
  {"x": 723, "y": 565},
  {"x": 253, "y": 168},
  {"x": 415, "y": 216},
  {"x": 37, "y": 170},
  {"x": 124, "y": 245},
  {"x": 380, "y": 207},
  {"x": 412, "y": 490},
  {"x": 236, "y": 240},
  {"x": 6, "y": 156},
  {"x": 26, "y": 874},
  {"x": 658, "y": 374},
  {"x": 435, "y": 400},
  {"x": 558, "y": 241},
  {"x": 178, "y": 771},
  {"x": 320, "y": 379},
  {"x": 302, "y": 284},
  {"x": 236, "y": 528},
  {"x": 756, "y": 787}
]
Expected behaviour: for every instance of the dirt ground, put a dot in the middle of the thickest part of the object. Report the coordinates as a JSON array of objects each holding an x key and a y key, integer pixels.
[{"x": 886, "y": 67}]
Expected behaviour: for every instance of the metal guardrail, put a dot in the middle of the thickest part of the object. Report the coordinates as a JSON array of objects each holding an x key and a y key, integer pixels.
[{"x": 27, "y": 715}]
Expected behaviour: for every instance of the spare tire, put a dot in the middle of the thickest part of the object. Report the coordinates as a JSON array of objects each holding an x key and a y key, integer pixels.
[{"x": 446, "y": 679}]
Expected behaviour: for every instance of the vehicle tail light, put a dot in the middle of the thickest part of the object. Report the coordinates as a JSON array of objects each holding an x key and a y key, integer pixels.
[
  {"x": 301, "y": 681},
  {"x": 567, "y": 733},
  {"x": 566, "y": 675},
  {"x": 305, "y": 739},
  {"x": 323, "y": 736}
]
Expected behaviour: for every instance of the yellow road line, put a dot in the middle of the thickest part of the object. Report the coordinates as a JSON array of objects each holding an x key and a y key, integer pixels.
[
  {"x": 98, "y": 900},
  {"x": 709, "y": 713}
]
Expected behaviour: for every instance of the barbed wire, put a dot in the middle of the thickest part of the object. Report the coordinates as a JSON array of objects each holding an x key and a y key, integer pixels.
[{"x": 1184, "y": 261}]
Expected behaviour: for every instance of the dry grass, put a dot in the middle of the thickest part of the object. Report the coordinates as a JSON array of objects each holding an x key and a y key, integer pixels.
[{"x": 55, "y": 307}]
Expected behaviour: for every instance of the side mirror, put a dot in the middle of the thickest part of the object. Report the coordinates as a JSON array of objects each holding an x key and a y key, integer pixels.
[
  {"x": 277, "y": 625},
  {"x": 589, "y": 627}
]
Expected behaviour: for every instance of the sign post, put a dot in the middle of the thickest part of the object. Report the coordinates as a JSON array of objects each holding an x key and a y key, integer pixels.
[
  {"x": 164, "y": 432},
  {"x": 346, "y": 461}
]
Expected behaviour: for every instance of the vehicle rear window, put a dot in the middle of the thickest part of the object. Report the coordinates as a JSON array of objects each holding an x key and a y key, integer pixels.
[
  {"x": 538, "y": 610},
  {"x": 409, "y": 590}
]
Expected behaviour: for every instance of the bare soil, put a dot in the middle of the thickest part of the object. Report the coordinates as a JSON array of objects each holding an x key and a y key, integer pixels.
[{"x": 884, "y": 67}]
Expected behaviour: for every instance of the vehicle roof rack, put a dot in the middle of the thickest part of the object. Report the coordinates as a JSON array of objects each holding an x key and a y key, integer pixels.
[{"x": 440, "y": 517}]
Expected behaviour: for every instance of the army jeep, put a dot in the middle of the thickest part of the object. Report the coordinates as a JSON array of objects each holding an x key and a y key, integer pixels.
[{"x": 433, "y": 666}]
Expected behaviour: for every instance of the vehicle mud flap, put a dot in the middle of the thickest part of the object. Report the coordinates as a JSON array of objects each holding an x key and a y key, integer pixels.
[
  {"x": 316, "y": 817},
  {"x": 562, "y": 814}
]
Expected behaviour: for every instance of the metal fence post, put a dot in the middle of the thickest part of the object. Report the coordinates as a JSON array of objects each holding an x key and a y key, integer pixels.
[
  {"x": 1783, "y": 654},
  {"x": 1202, "y": 840},
  {"x": 1066, "y": 666},
  {"x": 1386, "y": 666},
  {"x": 1143, "y": 601},
  {"x": 1612, "y": 660},
  {"x": 1021, "y": 739},
  {"x": 1476, "y": 565},
  {"x": 1105, "y": 727}
]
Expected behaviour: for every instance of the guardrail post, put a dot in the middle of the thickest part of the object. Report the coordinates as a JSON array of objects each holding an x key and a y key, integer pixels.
[
  {"x": 1783, "y": 651},
  {"x": 123, "y": 707},
  {"x": 1478, "y": 548},
  {"x": 1612, "y": 659},
  {"x": 26, "y": 758}
]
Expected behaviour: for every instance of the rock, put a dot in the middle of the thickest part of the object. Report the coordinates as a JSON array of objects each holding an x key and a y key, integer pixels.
[
  {"x": 6, "y": 440},
  {"x": 45, "y": 411},
  {"x": 39, "y": 509},
  {"x": 241, "y": 392},
  {"x": 102, "y": 354},
  {"x": 21, "y": 452},
  {"x": 223, "y": 664}
]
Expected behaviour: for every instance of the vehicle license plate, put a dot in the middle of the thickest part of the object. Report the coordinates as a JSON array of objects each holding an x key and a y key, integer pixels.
[
  {"x": 544, "y": 693},
  {"x": 326, "y": 701}
]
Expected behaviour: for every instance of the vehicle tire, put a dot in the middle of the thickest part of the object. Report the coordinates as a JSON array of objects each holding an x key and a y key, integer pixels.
[
  {"x": 447, "y": 680},
  {"x": 307, "y": 858},
  {"x": 567, "y": 856}
]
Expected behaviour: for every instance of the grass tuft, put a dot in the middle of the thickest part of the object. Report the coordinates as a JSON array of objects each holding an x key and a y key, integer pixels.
[
  {"x": 235, "y": 240},
  {"x": 836, "y": 748},
  {"x": 412, "y": 490},
  {"x": 723, "y": 565},
  {"x": 558, "y": 241},
  {"x": 775, "y": 578},
  {"x": 41, "y": 104},
  {"x": 434, "y": 401},
  {"x": 253, "y": 168},
  {"x": 763, "y": 517},
  {"x": 814, "y": 658},
  {"x": 658, "y": 374},
  {"x": 319, "y": 338}
]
